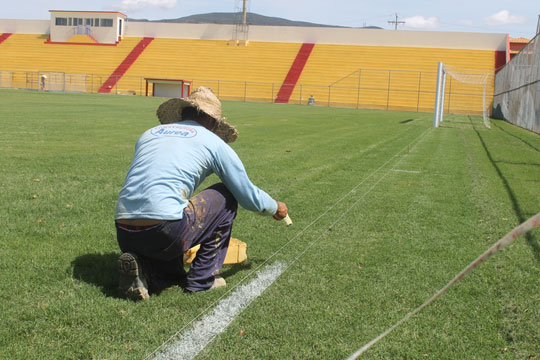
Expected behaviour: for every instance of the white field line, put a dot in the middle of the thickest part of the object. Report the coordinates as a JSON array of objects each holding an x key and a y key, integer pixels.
[
  {"x": 355, "y": 203},
  {"x": 160, "y": 348},
  {"x": 521, "y": 229},
  {"x": 205, "y": 330},
  {"x": 407, "y": 171}
]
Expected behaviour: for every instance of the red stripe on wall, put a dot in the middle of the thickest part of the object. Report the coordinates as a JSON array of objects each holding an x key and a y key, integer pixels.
[
  {"x": 295, "y": 71},
  {"x": 4, "y": 36},
  {"x": 500, "y": 60},
  {"x": 125, "y": 65}
]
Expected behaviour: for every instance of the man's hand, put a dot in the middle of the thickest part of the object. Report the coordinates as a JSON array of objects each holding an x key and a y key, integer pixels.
[{"x": 281, "y": 211}]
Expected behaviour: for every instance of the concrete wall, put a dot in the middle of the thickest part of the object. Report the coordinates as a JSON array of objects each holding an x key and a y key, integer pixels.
[
  {"x": 16, "y": 26},
  {"x": 343, "y": 36},
  {"x": 293, "y": 34}
]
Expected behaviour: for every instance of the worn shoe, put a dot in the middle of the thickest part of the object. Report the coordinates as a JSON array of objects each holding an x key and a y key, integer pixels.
[
  {"x": 218, "y": 282},
  {"x": 132, "y": 283}
]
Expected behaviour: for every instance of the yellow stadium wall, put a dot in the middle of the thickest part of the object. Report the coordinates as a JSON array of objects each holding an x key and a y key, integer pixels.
[
  {"x": 385, "y": 77},
  {"x": 391, "y": 77}
]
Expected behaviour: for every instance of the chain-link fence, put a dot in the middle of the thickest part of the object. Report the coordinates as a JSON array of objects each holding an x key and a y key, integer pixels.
[
  {"x": 517, "y": 89},
  {"x": 364, "y": 88}
]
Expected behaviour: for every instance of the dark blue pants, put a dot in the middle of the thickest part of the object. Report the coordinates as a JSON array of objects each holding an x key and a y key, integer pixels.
[{"x": 207, "y": 221}]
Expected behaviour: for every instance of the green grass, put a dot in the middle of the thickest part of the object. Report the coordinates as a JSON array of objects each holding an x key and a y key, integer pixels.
[{"x": 406, "y": 208}]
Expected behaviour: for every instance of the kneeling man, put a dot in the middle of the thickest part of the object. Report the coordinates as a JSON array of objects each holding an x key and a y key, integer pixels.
[{"x": 158, "y": 218}]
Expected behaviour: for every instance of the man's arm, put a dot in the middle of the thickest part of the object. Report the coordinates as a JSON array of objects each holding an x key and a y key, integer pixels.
[{"x": 231, "y": 171}]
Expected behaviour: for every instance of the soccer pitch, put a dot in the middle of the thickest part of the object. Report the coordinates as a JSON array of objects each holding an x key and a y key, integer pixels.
[{"x": 386, "y": 211}]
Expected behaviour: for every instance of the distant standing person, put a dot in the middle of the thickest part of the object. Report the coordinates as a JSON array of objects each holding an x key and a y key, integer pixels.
[
  {"x": 158, "y": 218},
  {"x": 43, "y": 82}
]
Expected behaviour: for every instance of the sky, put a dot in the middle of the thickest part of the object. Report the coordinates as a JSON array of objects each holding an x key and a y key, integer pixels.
[{"x": 519, "y": 18}]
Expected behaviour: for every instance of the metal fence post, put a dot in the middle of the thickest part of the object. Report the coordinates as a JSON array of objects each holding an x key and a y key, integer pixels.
[
  {"x": 358, "y": 93},
  {"x": 329, "y": 87},
  {"x": 388, "y": 89},
  {"x": 449, "y": 94},
  {"x": 419, "y": 87}
]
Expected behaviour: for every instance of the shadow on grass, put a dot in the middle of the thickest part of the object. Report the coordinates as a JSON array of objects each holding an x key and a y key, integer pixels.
[
  {"x": 522, "y": 217},
  {"x": 518, "y": 163},
  {"x": 99, "y": 270},
  {"x": 230, "y": 270},
  {"x": 517, "y": 137}
]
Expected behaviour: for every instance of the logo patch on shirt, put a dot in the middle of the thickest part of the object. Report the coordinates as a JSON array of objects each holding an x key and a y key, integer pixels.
[{"x": 174, "y": 130}]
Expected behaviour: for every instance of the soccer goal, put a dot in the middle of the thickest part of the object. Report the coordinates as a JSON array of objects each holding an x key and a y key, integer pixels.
[{"x": 466, "y": 91}]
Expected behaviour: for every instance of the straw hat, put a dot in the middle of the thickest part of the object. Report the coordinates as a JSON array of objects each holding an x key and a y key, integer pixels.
[{"x": 204, "y": 100}]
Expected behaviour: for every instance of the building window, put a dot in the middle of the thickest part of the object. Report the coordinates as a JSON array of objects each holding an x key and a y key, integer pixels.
[
  {"x": 106, "y": 22},
  {"x": 96, "y": 22},
  {"x": 89, "y": 22},
  {"x": 70, "y": 19},
  {"x": 61, "y": 21}
]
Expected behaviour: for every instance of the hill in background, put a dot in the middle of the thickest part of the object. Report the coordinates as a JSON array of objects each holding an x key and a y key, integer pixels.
[{"x": 235, "y": 18}]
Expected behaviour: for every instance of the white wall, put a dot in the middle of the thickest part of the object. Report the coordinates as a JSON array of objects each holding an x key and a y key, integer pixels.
[
  {"x": 375, "y": 37},
  {"x": 16, "y": 26},
  {"x": 345, "y": 36},
  {"x": 105, "y": 35}
]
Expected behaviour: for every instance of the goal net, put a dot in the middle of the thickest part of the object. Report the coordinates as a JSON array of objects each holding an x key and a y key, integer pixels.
[{"x": 460, "y": 92}]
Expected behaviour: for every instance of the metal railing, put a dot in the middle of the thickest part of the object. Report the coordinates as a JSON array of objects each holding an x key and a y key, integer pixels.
[{"x": 365, "y": 88}]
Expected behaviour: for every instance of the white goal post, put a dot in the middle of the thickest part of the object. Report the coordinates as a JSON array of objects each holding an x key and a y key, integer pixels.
[{"x": 477, "y": 81}]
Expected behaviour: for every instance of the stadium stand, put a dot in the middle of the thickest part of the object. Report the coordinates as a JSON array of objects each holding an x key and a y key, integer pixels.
[
  {"x": 294, "y": 73},
  {"x": 23, "y": 53},
  {"x": 258, "y": 66},
  {"x": 360, "y": 77},
  {"x": 125, "y": 65},
  {"x": 339, "y": 67}
]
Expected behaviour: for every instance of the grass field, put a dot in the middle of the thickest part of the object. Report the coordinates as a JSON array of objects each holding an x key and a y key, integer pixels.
[{"x": 405, "y": 208}]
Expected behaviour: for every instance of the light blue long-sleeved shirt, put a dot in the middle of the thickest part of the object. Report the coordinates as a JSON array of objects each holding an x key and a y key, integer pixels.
[{"x": 171, "y": 161}]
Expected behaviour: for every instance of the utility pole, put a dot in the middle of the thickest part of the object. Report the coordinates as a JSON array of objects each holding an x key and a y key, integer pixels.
[
  {"x": 396, "y": 22},
  {"x": 244, "y": 14},
  {"x": 538, "y": 26},
  {"x": 241, "y": 29}
]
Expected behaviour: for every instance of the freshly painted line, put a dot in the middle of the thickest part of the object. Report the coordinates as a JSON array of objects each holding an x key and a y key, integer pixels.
[
  {"x": 164, "y": 350},
  {"x": 407, "y": 171},
  {"x": 205, "y": 330}
]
